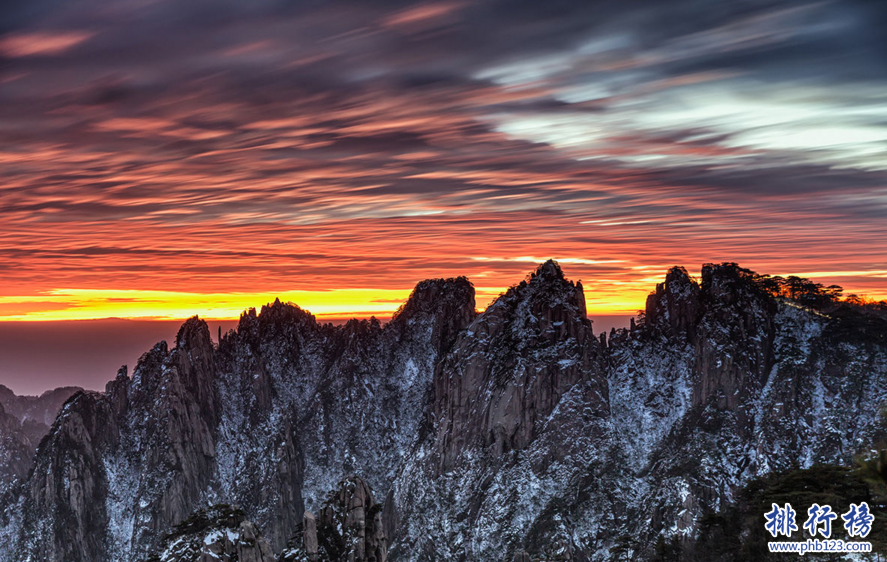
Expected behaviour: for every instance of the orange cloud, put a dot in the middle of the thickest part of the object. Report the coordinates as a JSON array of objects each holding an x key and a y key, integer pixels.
[
  {"x": 257, "y": 180},
  {"x": 423, "y": 14},
  {"x": 41, "y": 43}
]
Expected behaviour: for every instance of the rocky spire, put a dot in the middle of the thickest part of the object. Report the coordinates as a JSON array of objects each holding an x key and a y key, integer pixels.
[
  {"x": 450, "y": 302},
  {"x": 348, "y": 528},
  {"x": 734, "y": 349},
  {"x": 309, "y": 536},
  {"x": 194, "y": 357},
  {"x": 674, "y": 307},
  {"x": 529, "y": 346}
]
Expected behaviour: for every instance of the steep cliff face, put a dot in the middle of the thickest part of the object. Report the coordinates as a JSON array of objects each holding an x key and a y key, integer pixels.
[
  {"x": 512, "y": 435},
  {"x": 162, "y": 459},
  {"x": 509, "y": 371},
  {"x": 23, "y": 424},
  {"x": 68, "y": 485},
  {"x": 119, "y": 469},
  {"x": 354, "y": 395},
  {"x": 520, "y": 409},
  {"x": 720, "y": 382},
  {"x": 754, "y": 384},
  {"x": 734, "y": 350},
  {"x": 652, "y": 369},
  {"x": 674, "y": 307}
]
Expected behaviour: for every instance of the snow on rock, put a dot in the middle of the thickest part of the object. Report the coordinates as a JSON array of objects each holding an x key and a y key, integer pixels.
[{"x": 216, "y": 534}]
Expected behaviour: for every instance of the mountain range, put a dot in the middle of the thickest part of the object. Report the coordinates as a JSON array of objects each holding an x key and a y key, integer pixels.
[{"x": 514, "y": 434}]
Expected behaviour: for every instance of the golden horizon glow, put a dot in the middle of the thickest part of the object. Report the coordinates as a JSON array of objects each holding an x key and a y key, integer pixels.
[
  {"x": 94, "y": 304},
  {"x": 605, "y": 296}
]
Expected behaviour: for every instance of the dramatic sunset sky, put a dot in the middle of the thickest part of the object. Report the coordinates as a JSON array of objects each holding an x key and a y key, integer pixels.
[{"x": 160, "y": 159}]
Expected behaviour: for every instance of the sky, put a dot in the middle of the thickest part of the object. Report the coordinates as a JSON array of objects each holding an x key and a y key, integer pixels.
[{"x": 160, "y": 159}]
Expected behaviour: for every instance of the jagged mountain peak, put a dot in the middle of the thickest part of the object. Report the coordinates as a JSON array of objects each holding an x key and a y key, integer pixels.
[
  {"x": 274, "y": 315},
  {"x": 152, "y": 359},
  {"x": 542, "y": 308},
  {"x": 725, "y": 269},
  {"x": 680, "y": 302},
  {"x": 545, "y": 287},
  {"x": 77, "y": 402},
  {"x": 448, "y": 304},
  {"x": 674, "y": 305},
  {"x": 194, "y": 330},
  {"x": 360, "y": 326},
  {"x": 148, "y": 370},
  {"x": 288, "y": 310},
  {"x": 84, "y": 418},
  {"x": 524, "y": 352},
  {"x": 678, "y": 274},
  {"x": 549, "y": 274},
  {"x": 451, "y": 300},
  {"x": 728, "y": 281},
  {"x": 116, "y": 391},
  {"x": 193, "y": 341},
  {"x": 437, "y": 294},
  {"x": 548, "y": 269},
  {"x": 277, "y": 322}
]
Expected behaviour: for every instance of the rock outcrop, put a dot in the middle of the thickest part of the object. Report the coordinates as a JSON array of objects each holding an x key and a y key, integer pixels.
[
  {"x": 753, "y": 385},
  {"x": 674, "y": 307},
  {"x": 348, "y": 528},
  {"x": 510, "y": 369},
  {"x": 217, "y": 534},
  {"x": 355, "y": 395},
  {"x": 119, "y": 469}
]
